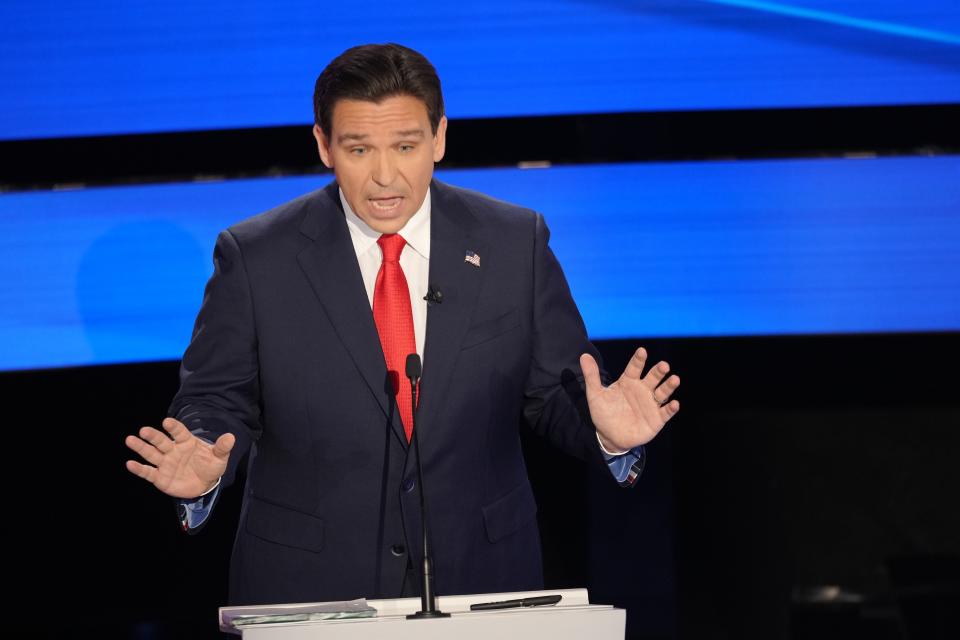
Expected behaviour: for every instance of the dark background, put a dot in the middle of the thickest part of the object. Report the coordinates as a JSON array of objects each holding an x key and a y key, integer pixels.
[{"x": 795, "y": 463}]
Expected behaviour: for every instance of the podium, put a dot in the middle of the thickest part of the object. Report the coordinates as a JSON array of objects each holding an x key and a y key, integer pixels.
[{"x": 572, "y": 618}]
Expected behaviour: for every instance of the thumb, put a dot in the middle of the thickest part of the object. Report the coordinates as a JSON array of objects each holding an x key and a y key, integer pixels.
[
  {"x": 223, "y": 445},
  {"x": 591, "y": 373}
]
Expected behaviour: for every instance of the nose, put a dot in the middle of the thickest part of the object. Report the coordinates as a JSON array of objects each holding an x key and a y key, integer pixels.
[{"x": 384, "y": 169}]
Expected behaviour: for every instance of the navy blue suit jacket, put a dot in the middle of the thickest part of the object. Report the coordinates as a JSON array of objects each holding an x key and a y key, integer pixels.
[{"x": 285, "y": 355}]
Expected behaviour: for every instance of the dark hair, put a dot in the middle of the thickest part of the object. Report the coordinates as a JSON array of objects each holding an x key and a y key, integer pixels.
[{"x": 374, "y": 72}]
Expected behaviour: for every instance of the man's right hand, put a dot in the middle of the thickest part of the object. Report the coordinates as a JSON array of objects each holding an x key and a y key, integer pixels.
[{"x": 184, "y": 467}]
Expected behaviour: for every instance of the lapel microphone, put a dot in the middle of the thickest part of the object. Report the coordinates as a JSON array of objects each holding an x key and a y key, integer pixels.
[{"x": 434, "y": 295}]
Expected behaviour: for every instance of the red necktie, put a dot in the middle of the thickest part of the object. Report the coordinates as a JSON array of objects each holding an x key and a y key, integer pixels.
[{"x": 394, "y": 320}]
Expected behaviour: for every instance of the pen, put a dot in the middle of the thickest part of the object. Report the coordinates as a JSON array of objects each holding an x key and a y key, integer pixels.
[{"x": 537, "y": 601}]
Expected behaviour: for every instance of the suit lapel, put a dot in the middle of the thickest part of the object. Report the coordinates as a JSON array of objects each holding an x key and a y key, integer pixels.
[
  {"x": 452, "y": 229},
  {"x": 330, "y": 265}
]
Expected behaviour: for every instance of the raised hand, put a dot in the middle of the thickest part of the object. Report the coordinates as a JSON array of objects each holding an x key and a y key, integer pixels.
[
  {"x": 184, "y": 466},
  {"x": 632, "y": 410}
]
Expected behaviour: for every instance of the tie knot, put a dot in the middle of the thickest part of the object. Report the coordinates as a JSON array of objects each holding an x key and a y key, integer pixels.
[{"x": 392, "y": 245}]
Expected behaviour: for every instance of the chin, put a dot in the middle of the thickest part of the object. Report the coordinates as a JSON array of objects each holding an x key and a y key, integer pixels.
[{"x": 388, "y": 224}]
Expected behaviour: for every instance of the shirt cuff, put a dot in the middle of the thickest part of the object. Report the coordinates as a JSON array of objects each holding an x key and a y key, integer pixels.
[
  {"x": 211, "y": 488},
  {"x": 628, "y": 466},
  {"x": 194, "y": 513},
  {"x": 609, "y": 453}
]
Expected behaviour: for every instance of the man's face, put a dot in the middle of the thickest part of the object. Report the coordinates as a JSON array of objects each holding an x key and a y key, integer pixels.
[{"x": 382, "y": 154}]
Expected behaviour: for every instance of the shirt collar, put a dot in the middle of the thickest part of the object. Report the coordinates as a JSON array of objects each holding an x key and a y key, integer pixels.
[{"x": 416, "y": 232}]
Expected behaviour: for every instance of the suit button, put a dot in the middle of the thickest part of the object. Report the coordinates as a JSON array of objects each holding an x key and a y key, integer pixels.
[
  {"x": 398, "y": 550},
  {"x": 408, "y": 485}
]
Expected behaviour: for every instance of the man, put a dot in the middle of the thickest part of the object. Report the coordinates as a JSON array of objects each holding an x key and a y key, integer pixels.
[{"x": 298, "y": 353}]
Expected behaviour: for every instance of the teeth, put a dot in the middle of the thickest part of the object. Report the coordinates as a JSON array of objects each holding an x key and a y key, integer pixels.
[{"x": 386, "y": 204}]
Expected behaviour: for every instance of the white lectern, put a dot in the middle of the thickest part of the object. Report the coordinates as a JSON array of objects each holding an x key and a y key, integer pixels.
[{"x": 572, "y": 618}]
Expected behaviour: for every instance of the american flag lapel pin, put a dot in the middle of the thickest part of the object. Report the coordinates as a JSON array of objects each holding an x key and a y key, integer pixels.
[{"x": 472, "y": 258}]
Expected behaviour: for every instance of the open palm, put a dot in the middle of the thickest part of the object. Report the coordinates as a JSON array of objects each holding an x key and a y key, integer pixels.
[
  {"x": 181, "y": 464},
  {"x": 632, "y": 410}
]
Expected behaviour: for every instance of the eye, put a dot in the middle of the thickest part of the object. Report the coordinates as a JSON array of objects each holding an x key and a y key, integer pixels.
[
  {"x": 404, "y": 148},
  {"x": 358, "y": 151}
]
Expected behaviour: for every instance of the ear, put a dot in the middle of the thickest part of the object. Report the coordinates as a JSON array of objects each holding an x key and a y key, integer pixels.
[
  {"x": 440, "y": 140},
  {"x": 323, "y": 146}
]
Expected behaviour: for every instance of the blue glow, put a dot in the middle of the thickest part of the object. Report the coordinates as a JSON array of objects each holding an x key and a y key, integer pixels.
[
  {"x": 849, "y": 21},
  {"x": 76, "y": 68},
  {"x": 660, "y": 249}
]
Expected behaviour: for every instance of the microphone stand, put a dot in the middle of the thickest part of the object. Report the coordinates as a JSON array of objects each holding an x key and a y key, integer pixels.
[{"x": 428, "y": 599}]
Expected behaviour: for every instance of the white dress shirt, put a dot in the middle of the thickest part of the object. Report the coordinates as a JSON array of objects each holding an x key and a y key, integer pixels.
[{"x": 414, "y": 260}]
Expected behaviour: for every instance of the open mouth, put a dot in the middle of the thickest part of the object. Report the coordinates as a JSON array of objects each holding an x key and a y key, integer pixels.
[{"x": 386, "y": 204}]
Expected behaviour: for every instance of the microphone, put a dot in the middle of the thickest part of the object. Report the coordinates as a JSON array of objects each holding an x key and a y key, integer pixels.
[
  {"x": 428, "y": 599},
  {"x": 414, "y": 369},
  {"x": 434, "y": 295}
]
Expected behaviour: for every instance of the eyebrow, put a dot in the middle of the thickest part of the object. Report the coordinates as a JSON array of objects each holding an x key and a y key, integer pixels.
[
  {"x": 410, "y": 133},
  {"x": 350, "y": 136},
  {"x": 359, "y": 137}
]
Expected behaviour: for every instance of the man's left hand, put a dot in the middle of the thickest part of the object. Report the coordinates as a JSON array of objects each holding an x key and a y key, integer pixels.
[{"x": 632, "y": 410}]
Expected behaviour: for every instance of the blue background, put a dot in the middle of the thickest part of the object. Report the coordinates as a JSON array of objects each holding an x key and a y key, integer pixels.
[
  {"x": 75, "y": 68},
  {"x": 650, "y": 249}
]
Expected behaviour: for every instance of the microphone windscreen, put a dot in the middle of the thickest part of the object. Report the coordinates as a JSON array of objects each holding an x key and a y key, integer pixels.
[{"x": 413, "y": 366}]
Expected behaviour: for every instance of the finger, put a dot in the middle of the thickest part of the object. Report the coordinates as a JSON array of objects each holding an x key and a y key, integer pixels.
[
  {"x": 146, "y": 451},
  {"x": 656, "y": 374},
  {"x": 591, "y": 373},
  {"x": 177, "y": 430},
  {"x": 662, "y": 393},
  {"x": 146, "y": 472},
  {"x": 669, "y": 410},
  {"x": 157, "y": 438},
  {"x": 637, "y": 362},
  {"x": 223, "y": 445}
]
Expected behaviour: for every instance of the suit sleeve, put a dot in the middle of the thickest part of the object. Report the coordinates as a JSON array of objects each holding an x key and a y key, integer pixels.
[
  {"x": 555, "y": 403},
  {"x": 219, "y": 375}
]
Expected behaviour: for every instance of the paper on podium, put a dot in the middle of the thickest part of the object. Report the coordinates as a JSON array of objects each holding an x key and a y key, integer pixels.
[{"x": 234, "y": 618}]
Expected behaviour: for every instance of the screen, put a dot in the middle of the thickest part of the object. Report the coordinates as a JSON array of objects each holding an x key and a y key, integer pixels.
[
  {"x": 116, "y": 274},
  {"x": 80, "y": 69}
]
